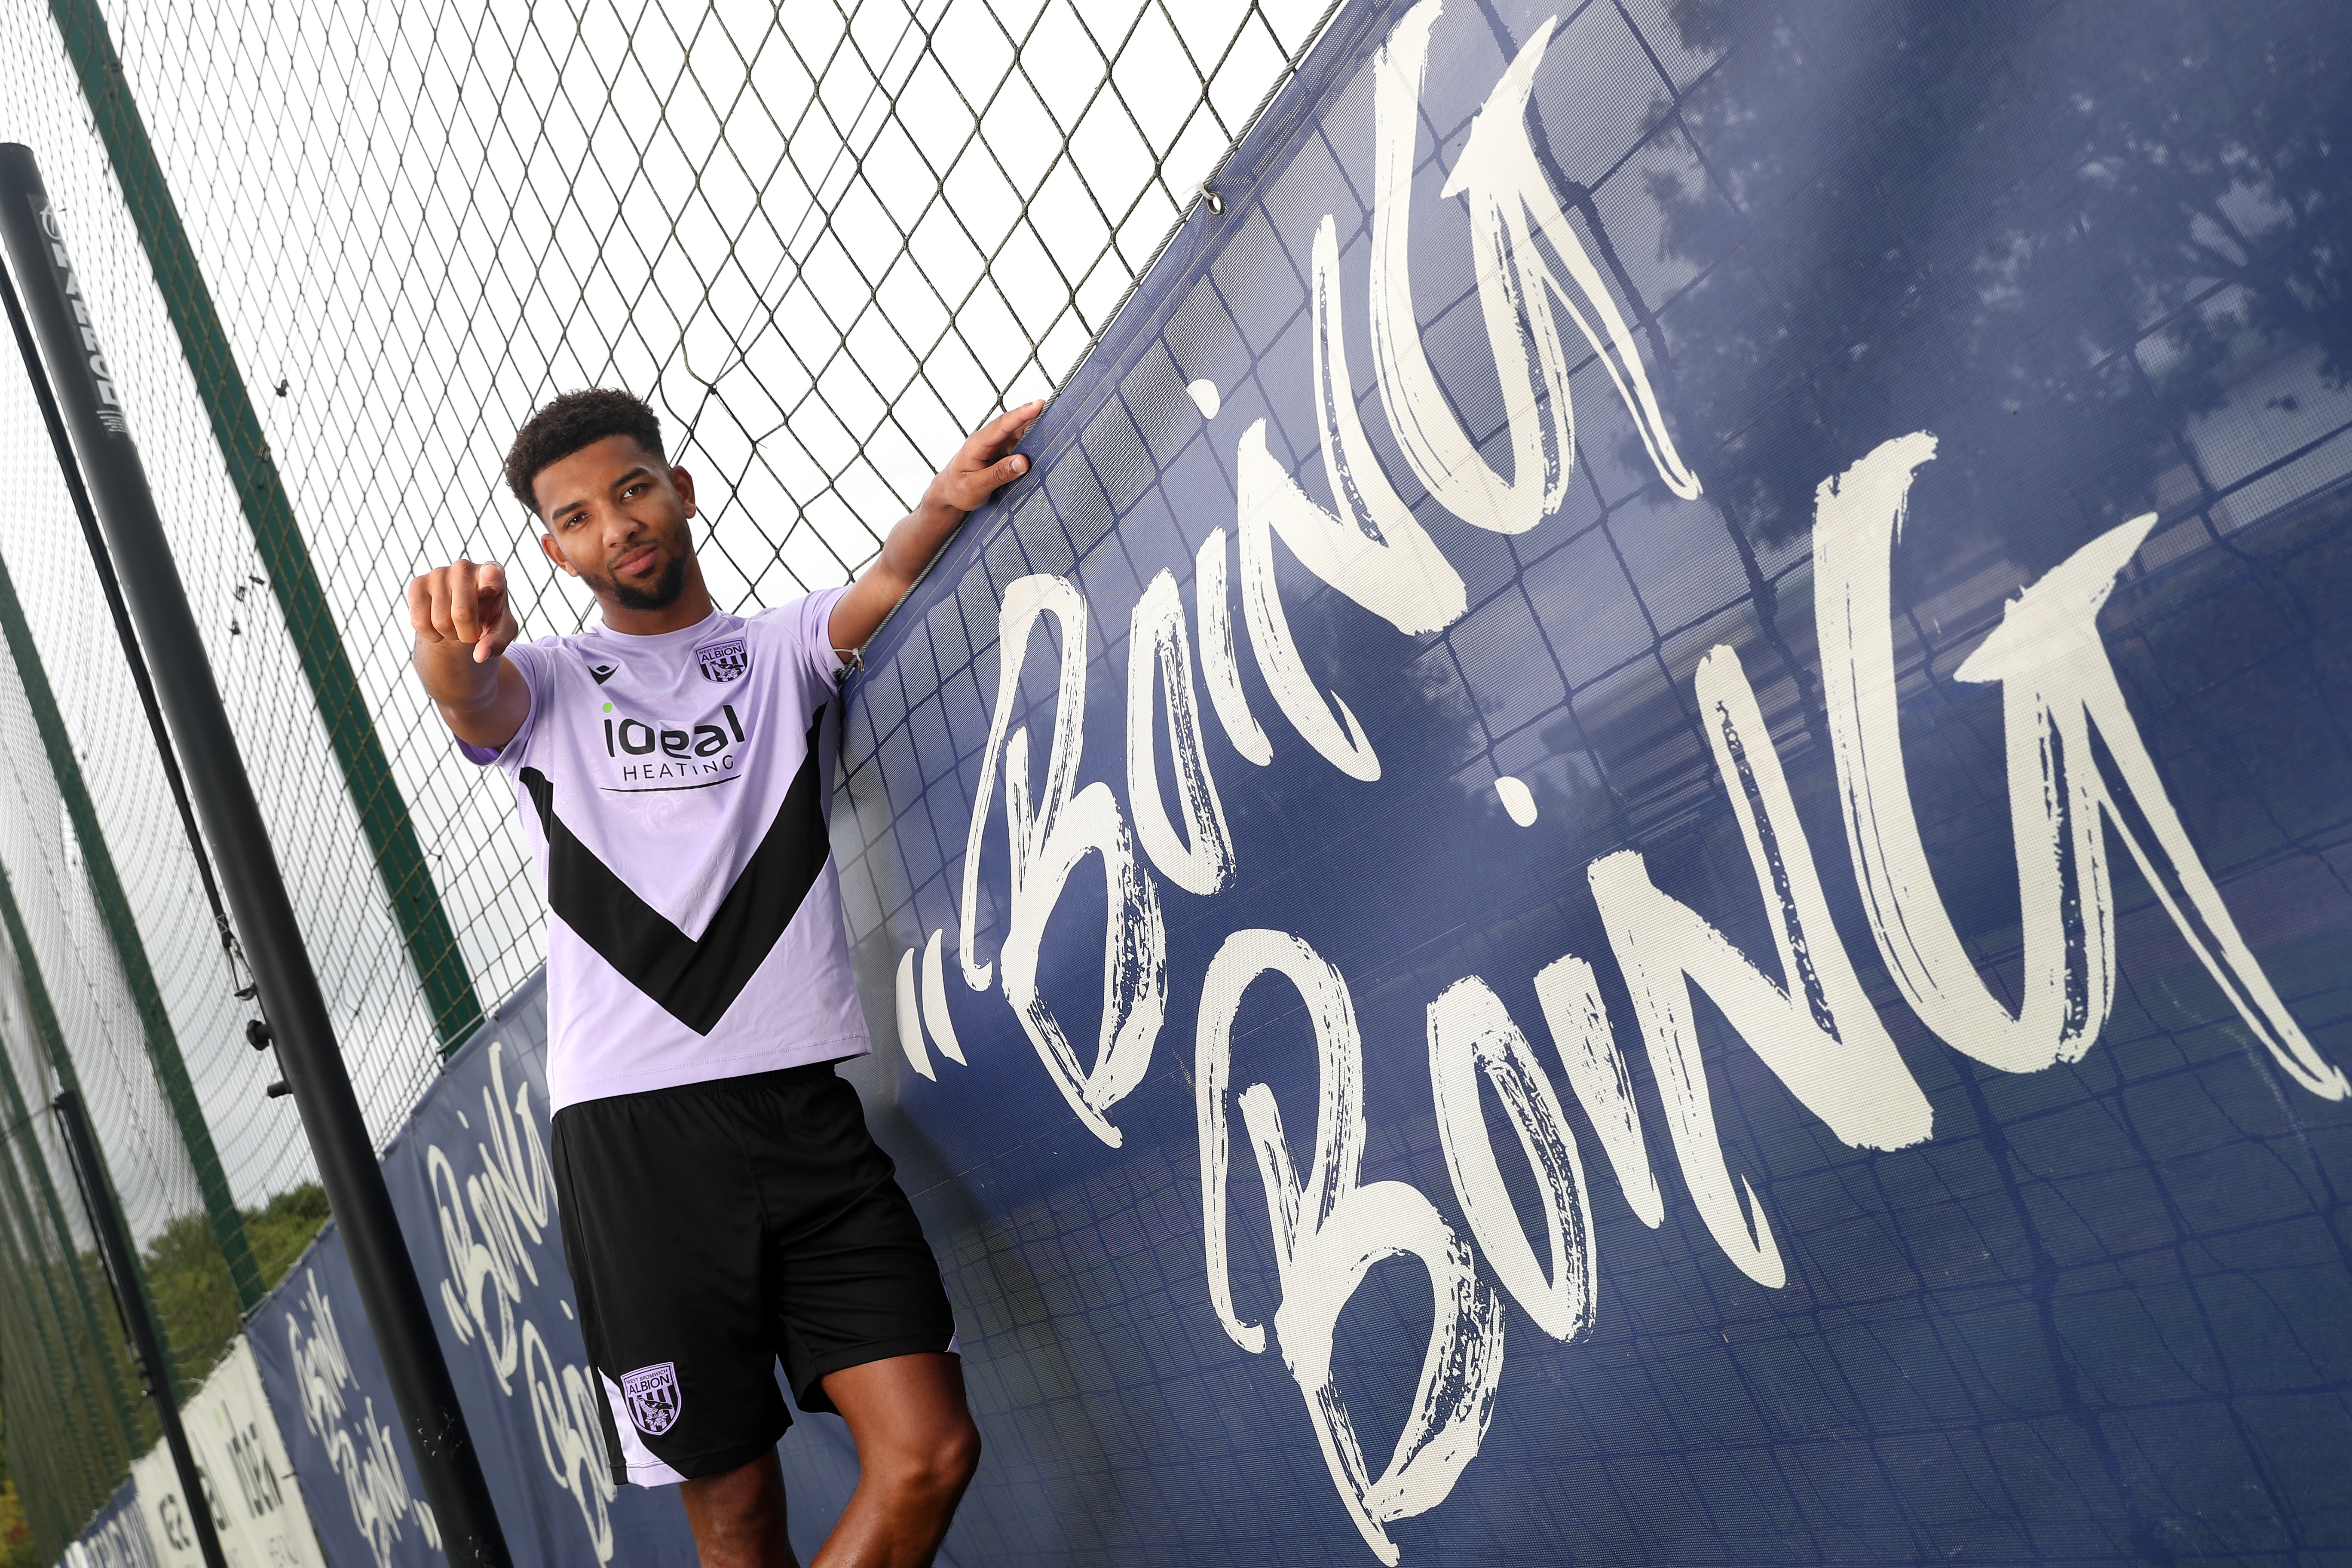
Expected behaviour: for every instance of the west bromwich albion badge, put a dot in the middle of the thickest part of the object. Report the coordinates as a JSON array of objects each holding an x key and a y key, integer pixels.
[
  {"x": 725, "y": 661},
  {"x": 653, "y": 1399}
]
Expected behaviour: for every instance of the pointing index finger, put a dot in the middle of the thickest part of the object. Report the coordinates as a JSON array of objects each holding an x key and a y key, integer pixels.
[{"x": 462, "y": 600}]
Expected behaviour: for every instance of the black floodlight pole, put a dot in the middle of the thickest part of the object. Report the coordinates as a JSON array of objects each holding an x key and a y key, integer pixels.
[
  {"x": 84, "y": 389},
  {"x": 114, "y": 1247}
]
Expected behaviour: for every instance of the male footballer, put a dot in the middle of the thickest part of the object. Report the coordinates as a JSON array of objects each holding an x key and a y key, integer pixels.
[{"x": 723, "y": 1205}]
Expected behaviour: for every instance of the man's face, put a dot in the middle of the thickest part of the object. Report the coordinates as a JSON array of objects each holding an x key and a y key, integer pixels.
[{"x": 617, "y": 519}]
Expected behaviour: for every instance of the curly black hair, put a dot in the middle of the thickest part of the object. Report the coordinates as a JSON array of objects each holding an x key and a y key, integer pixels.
[{"x": 577, "y": 419}]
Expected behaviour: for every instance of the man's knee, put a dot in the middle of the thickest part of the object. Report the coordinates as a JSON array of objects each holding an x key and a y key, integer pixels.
[
  {"x": 741, "y": 1509},
  {"x": 937, "y": 1467},
  {"x": 961, "y": 1458}
]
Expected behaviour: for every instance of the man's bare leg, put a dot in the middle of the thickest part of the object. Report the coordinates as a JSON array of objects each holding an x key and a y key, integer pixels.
[
  {"x": 916, "y": 1450},
  {"x": 739, "y": 1516}
]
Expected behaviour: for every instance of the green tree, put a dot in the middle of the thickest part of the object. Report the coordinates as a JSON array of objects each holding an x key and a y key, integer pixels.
[{"x": 190, "y": 1280}]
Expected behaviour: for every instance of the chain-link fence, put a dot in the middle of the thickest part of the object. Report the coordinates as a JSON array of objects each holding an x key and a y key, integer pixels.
[{"x": 824, "y": 239}]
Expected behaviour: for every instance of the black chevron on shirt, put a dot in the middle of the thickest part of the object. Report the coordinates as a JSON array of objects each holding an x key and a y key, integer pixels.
[{"x": 694, "y": 982}]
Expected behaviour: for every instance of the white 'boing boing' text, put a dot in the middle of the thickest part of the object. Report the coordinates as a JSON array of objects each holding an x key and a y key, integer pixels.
[{"x": 1814, "y": 1028}]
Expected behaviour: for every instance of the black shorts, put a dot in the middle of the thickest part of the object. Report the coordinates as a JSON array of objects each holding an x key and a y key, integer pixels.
[{"x": 716, "y": 1227}]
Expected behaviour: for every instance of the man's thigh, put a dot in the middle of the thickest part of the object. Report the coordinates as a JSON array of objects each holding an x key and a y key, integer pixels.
[{"x": 911, "y": 1402}]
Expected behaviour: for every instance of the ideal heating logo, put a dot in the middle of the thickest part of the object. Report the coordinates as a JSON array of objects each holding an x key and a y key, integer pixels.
[
  {"x": 110, "y": 403},
  {"x": 675, "y": 757}
]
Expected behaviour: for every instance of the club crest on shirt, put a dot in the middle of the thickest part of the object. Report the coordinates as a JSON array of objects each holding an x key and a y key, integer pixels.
[
  {"x": 725, "y": 661},
  {"x": 653, "y": 1399}
]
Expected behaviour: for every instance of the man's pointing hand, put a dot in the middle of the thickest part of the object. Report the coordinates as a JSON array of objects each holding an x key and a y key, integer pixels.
[{"x": 464, "y": 603}]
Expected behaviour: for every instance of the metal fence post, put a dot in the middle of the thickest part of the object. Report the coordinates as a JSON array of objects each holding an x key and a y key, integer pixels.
[
  {"x": 292, "y": 1003},
  {"x": 114, "y": 1246},
  {"x": 53, "y": 1042},
  {"x": 408, "y": 882}
]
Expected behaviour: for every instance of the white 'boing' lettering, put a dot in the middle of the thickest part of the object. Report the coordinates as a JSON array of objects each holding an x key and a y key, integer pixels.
[
  {"x": 492, "y": 1226},
  {"x": 1378, "y": 555},
  {"x": 1219, "y": 667},
  {"x": 567, "y": 1414},
  {"x": 935, "y": 1003},
  {"x": 1372, "y": 549},
  {"x": 1570, "y": 998},
  {"x": 1814, "y": 1027},
  {"x": 1328, "y": 1230},
  {"x": 374, "y": 1484},
  {"x": 910, "y": 1020},
  {"x": 1155, "y": 639},
  {"x": 1470, "y": 1035},
  {"x": 2058, "y": 688},
  {"x": 1819, "y": 1033},
  {"x": 1046, "y": 841},
  {"x": 1511, "y": 204}
]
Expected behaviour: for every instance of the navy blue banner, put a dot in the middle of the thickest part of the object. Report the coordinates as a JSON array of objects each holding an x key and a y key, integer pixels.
[
  {"x": 326, "y": 1385},
  {"x": 116, "y": 1536},
  {"x": 1640, "y": 846},
  {"x": 469, "y": 1177}
]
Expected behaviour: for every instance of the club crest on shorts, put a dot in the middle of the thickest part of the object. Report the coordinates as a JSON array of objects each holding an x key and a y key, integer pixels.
[
  {"x": 725, "y": 661},
  {"x": 653, "y": 1399}
]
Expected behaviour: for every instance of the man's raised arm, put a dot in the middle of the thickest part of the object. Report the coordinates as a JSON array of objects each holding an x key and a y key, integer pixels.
[
  {"x": 464, "y": 623},
  {"x": 984, "y": 465}
]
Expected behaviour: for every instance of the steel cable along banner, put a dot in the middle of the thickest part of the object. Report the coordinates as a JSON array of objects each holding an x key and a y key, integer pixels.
[{"x": 1637, "y": 848}]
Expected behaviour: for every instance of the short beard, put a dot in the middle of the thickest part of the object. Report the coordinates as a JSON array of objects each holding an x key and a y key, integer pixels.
[{"x": 660, "y": 597}]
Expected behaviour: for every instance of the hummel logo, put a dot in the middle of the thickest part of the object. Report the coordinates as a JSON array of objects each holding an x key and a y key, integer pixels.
[{"x": 602, "y": 672}]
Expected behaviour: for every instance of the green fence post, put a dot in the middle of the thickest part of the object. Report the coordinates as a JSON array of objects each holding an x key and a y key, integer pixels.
[
  {"x": 88, "y": 1302},
  {"x": 53, "y": 1041},
  {"x": 383, "y": 814},
  {"x": 47, "y": 1366},
  {"x": 69, "y": 1364},
  {"x": 131, "y": 950}
]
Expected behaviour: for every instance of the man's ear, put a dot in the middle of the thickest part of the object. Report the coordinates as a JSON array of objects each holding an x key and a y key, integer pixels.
[
  {"x": 554, "y": 552},
  {"x": 683, "y": 482}
]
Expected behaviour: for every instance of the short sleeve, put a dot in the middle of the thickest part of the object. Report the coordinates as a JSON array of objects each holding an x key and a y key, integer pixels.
[
  {"x": 812, "y": 633},
  {"x": 530, "y": 661}
]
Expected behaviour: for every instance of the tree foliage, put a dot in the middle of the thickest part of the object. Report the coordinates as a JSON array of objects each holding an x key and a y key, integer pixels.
[
  {"x": 189, "y": 1277},
  {"x": 2040, "y": 230}
]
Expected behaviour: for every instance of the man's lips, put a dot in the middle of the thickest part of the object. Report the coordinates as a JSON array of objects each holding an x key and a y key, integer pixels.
[{"x": 636, "y": 561}]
